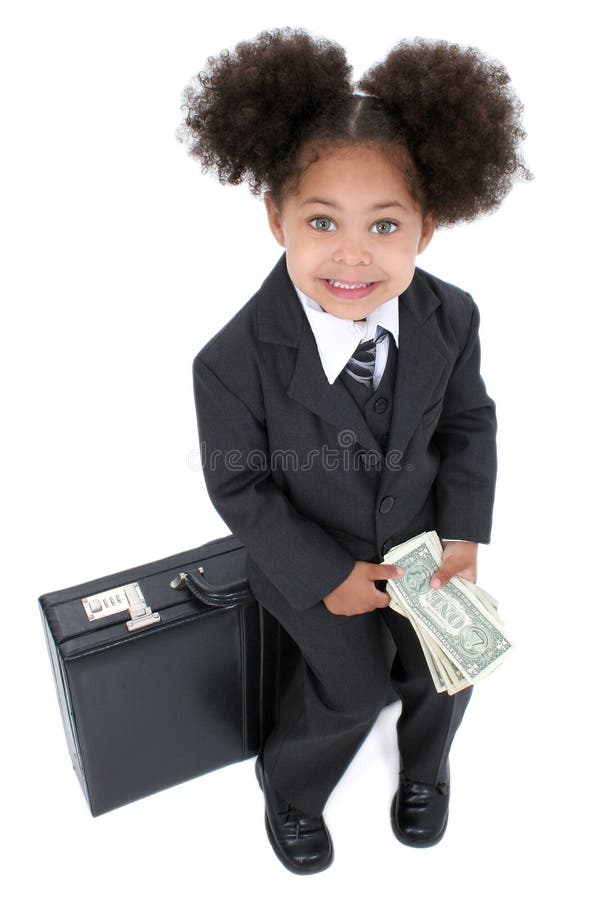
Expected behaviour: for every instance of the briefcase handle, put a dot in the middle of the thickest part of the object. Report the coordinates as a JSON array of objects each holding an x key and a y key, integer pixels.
[{"x": 223, "y": 595}]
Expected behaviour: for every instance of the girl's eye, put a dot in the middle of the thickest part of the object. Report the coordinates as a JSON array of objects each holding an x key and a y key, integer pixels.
[
  {"x": 321, "y": 223},
  {"x": 385, "y": 227}
]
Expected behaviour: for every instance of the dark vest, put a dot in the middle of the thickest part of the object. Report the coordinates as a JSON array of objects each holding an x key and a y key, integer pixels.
[{"x": 376, "y": 406}]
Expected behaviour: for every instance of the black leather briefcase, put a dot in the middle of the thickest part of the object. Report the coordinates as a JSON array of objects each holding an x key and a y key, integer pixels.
[{"x": 165, "y": 671}]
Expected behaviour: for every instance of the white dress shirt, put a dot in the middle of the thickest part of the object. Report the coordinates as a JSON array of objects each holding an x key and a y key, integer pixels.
[{"x": 337, "y": 339}]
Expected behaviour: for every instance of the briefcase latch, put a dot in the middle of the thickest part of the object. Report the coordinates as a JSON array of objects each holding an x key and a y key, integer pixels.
[{"x": 125, "y": 598}]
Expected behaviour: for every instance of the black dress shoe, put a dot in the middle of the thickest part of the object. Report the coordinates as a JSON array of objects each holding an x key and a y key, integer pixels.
[
  {"x": 420, "y": 811},
  {"x": 301, "y": 842}
]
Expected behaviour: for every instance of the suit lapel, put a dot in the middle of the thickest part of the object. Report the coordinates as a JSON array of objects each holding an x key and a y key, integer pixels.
[
  {"x": 420, "y": 361},
  {"x": 331, "y": 402},
  {"x": 419, "y": 366}
]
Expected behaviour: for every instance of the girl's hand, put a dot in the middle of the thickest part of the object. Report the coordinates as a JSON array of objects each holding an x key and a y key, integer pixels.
[
  {"x": 458, "y": 558},
  {"x": 358, "y": 593}
]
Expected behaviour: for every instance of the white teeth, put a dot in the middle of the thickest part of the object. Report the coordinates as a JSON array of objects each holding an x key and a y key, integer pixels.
[{"x": 347, "y": 287}]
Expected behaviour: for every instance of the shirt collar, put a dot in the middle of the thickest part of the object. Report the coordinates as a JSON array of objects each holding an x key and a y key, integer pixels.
[{"x": 337, "y": 339}]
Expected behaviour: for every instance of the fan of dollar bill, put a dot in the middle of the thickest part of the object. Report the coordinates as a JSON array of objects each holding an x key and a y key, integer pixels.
[{"x": 458, "y": 626}]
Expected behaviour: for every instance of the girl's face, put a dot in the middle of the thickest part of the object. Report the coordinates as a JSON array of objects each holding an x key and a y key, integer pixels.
[{"x": 352, "y": 221}]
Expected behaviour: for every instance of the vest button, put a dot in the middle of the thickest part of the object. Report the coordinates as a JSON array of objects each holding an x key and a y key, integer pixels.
[
  {"x": 386, "y": 504},
  {"x": 381, "y": 405}
]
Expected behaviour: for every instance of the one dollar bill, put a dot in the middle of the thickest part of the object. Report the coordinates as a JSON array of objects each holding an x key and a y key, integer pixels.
[{"x": 462, "y": 637}]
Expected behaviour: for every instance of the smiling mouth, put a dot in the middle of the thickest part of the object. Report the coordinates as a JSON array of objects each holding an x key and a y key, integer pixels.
[{"x": 348, "y": 285}]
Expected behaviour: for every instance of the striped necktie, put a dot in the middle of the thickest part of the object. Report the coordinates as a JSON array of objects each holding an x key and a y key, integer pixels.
[{"x": 361, "y": 364}]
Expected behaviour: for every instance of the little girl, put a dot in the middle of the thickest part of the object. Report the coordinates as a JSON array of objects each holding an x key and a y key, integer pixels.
[{"x": 342, "y": 411}]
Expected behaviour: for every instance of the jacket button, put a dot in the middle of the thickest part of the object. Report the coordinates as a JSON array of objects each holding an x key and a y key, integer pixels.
[
  {"x": 381, "y": 405},
  {"x": 386, "y": 504}
]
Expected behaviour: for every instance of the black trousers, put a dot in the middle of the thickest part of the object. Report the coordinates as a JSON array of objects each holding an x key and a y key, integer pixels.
[{"x": 335, "y": 696}]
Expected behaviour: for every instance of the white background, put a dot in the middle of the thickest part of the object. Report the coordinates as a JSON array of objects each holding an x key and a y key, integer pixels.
[{"x": 120, "y": 259}]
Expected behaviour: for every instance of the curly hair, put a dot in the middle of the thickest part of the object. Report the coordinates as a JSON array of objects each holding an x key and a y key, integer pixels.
[{"x": 447, "y": 114}]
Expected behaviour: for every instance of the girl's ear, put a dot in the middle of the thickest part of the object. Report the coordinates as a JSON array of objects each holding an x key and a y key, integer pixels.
[
  {"x": 274, "y": 218},
  {"x": 427, "y": 231}
]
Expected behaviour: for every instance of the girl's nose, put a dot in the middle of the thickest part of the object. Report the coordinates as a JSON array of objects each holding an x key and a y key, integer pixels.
[{"x": 351, "y": 253}]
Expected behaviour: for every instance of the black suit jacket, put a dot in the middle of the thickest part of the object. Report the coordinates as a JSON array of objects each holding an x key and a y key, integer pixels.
[{"x": 293, "y": 468}]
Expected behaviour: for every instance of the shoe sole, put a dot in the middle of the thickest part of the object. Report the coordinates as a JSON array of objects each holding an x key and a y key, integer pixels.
[
  {"x": 412, "y": 843},
  {"x": 297, "y": 870}
]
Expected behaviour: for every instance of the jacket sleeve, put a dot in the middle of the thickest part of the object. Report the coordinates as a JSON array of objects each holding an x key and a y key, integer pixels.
[
  {"x": 466, "y": 439},
  {"x": 296, "y": 554}
]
